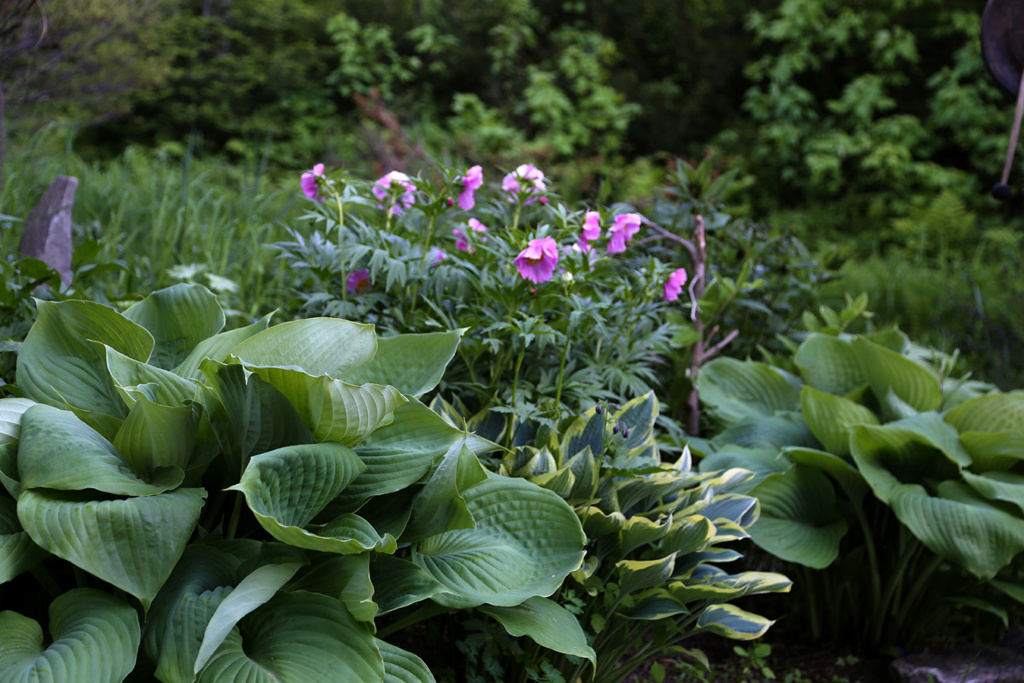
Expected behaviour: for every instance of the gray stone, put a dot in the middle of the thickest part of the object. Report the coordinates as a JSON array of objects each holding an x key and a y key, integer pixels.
[
  {"x": 47, "y": 232},
  {"x": 977, "y": 664}
]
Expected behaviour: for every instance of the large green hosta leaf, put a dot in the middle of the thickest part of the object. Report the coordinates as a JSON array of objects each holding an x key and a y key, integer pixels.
[
  {"x": 960, "y": 525},
  {"x": 59, "y": 451},
  {"x": 888, "y": 371},
  {"x": 526, "y": 541},
  {"x": 547, "y": 623},
  {"x": 155, "y": 436},
  {"x": 11, "y": 410},
  {"x": 799, "y": 521},
  {"x": 991, "y": 413},
  {"x": 403, "y": 667},
  {"x": 217, "y": 348},
  {"x": 297, "y": 638},
  {"x": 334, "y": 410},
  {"x": 17, "y": 551},
  {"x": 178, "y": 317},
  {"x": 133, "y": 377},
  {"x": 286, "y": 488},
  {"x": 317, "y": 346},
  {"x": 439, "y": 506},
  {"x": 829, "y": 364},
  {"x": 831, "y": 418},
  {"x": 412, "y": 363},
  {"x": 132, "y": 543},
  {"x": 61, "y": 364},
  {"x": 736, "y": 390},
  {"x": 95, "y": 640}
]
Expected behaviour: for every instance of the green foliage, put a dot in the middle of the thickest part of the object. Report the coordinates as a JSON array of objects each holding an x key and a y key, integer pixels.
[
  {"x": 656, "y": 535},
  {"x": 895, "y": 482},
  {"x": 250, "y": 500},
  {"x": 367, "y": 58}
]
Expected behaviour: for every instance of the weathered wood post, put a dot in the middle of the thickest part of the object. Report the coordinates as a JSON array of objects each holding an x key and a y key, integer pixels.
[{"x": 47, "y": 232}]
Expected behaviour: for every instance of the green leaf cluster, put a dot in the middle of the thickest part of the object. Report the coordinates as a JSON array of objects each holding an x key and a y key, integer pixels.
[
  {"x": 266, "y": 502},
  {"x": 897, "y": 484}
]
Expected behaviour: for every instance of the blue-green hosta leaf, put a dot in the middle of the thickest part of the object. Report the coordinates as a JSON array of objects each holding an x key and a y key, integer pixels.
[
  {"x": 639, "y": 415},
  {"x": 547, "y": 623},
  {"x": 133, "y": 543},
  {"x": 960, "y": 525},
  {"x": 248, "y": 415},
  {"x": 412, "y": 363},
  {"x": 909, "y": 451},
  {"x": 315, "y": 346},
  {"x": 760, "y": 461},
  {"x": 17, "y": 551},
  {"x": 11, "y": 410},
  {"x": 401, "y": 666},
  {"x": 526, "y": 541},
  {"x": 639, "y": 531},
  {"x": 560, "y": 482},
  {"x": 990, "y": 413},
  {"x": 845, "y": 474},
  {"x": 177, "y": 619},
  {"x": 299, "y": 638},
  {"x": 718, "y": 586},
  {"x": 799, "y": 521},
  {"x": 732, "y": 622},
  {"x": 888, "y": 371},
  {"x": 178, "y": 317},
  {"x": 9, "y": 469},
  {"x": 1005, "y": 486},
  {"x": 250, "y": 593},
  {"x": 659, "y": 604},
  {"x": 829, "y": 364},
  {"x": 345, "y": 577},
  {"x": 156, "y": 436},
  {"x": 332, "y": 409},
  {"x": 400, "y": 583},
  {"x": 736, "y": 390},
  {"x": 767, "y": 433},
  {"x": 586, "y": 431},
  {"x": 217, "y": 348},
  {"x": 61, "y": 364},
  {"x": 439, "y": 506},
  {"x": 59, "y": 451},
  {"x": 399, "y": 454},
  {"x": 132, "y": 377},
  {"x": 989, "y": 452},
  {"x": 831, "y": 419},
  {"x": 95, "y": 639},
  {"x": 732, "y": 507},
  {"x": 688, "y": 535},
  {"x": 586, "y": 475}
]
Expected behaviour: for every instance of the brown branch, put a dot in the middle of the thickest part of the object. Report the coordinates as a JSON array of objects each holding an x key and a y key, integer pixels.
[{"x": 717, "y": 348}]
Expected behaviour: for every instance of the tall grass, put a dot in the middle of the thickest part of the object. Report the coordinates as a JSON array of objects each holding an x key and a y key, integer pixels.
[{"x": 166, "y": 217}]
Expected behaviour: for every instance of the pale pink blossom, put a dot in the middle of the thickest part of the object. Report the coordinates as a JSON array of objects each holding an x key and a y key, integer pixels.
[
  {"x": 398, "y": 184},
  {"x": 526, "y": 179},
  {"x": 310, "y": 182},
  {"x": 472, "y": 182},
  {"x": 591, "y": 226},
  {"x": 675, "y": 284},
  {"x": 537, "y": 262}
]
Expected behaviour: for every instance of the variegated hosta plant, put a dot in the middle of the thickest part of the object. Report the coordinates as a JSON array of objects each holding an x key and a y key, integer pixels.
[
  {"x": 651, "y": 578},
  {"x": 901, "y": 488},
  {"x": 188, "y": 504}
]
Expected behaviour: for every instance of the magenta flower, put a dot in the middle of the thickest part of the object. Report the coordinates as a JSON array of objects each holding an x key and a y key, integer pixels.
[
  {"x": 477, "y": 226},
  {"x": 472, "y": 182},
  {"x": 591, "y": 226},
  {"x": 358, "y": 282},
  {"x": 622, "y": 231},
  {"x": 310, "y": 183},
  {"x": 537, "y": 262},
  {"x": 437, "y": 255},
  {"x": 675, "y": 284},
  {"x": 527, "y": 179},
  {"x": 395, "y": 184},
  {"x": 461, "y": 243}
]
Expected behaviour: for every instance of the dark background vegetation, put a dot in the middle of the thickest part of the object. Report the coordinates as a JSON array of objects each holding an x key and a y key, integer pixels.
[{"x": 870, "y": 131}]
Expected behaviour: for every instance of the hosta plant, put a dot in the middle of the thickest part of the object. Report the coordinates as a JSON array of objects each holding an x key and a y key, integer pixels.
[
  {"x": 656, "y": 537},
  {"x": 252, "y": 504},
  {"x": 894, "y": 485}
]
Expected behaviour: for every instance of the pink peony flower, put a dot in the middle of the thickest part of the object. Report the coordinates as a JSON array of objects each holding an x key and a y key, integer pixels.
[
  {"x": 675, "y": 284},
  {"x": 310, "y": 183},
  {"x": 472, "y": 182},
  {"x": 622, "y": 231},
  {"x": 527, "y": 179},
  {"x": 358, "y": 282},
  {"x": 537, "y": 262},
  {"x": 477, "y": 226},
  {"x": 398, "y": 183},
  {"x": 437, "y": 255}
]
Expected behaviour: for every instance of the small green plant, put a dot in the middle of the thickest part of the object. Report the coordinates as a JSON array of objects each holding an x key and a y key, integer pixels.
[{"x": 756, "y": 660}]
